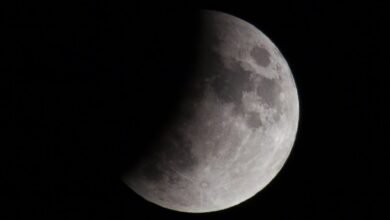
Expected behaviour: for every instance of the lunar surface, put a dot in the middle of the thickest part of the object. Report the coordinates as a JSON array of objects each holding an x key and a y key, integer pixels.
[{"x": 233, "y": 132}]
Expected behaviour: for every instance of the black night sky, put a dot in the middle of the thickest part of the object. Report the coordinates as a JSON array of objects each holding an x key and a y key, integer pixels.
[{"x": 85, "y": 87}]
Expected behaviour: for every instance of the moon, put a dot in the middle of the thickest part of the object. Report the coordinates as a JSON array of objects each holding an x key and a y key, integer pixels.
[{"x": 233, "y": 130}]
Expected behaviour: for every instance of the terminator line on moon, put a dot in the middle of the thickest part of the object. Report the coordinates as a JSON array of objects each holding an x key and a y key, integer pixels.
[{"x": 233, "y": 132}]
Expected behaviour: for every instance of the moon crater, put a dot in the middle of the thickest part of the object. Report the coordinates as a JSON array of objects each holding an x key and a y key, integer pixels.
[{"x": 261, "y": 56}]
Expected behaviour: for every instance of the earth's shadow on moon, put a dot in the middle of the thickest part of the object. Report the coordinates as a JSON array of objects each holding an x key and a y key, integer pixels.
[{"x": 164, "y": 67}]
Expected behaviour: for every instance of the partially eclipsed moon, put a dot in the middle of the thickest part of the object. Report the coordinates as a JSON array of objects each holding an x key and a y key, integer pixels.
[{"x": 233, "y": 132}]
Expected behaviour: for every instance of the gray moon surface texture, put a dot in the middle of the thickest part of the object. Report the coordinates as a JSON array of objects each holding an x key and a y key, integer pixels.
[{"x": 233, "y": 133}]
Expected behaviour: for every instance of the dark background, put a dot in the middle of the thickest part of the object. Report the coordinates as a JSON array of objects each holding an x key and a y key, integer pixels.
[{"x": 86, "y": 86}]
